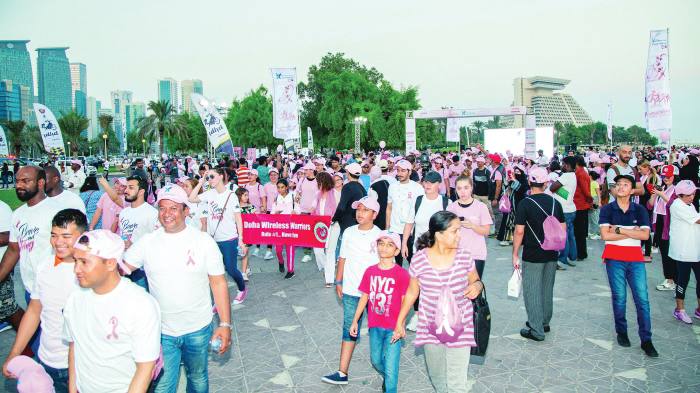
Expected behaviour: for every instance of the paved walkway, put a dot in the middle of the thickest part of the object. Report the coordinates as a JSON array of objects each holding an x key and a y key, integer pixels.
[{"x": 287, "y": 335}]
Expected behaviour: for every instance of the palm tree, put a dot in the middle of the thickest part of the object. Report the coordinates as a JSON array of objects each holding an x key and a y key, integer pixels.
[
  {"x": 478, "y": 127},
  {"x": 14, "y": 131},
  {"x": 163, "y": 122},
  {"x": 72, "y": 126},
  {"x": 31, "y": 138},
  {"x": 494, "y": 124},
  {"x": 105, "y": 122},
  {"x": 559, "y": 128}
]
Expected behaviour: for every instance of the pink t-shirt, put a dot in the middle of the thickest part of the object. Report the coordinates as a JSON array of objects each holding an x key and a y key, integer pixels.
[
  {"x": 255, "y": 194},
  {"x": 271, "y": 193},
  {"x": 477, "y": 213},
  {"x": 309, "y": 188},
  {"x": 430, "y": 282},
  {"x": 385, "y": 289},
  {"x": 455, "y": 168},
  {"x": 444, "y": 172},
  {"x": 110, "y": 211}
]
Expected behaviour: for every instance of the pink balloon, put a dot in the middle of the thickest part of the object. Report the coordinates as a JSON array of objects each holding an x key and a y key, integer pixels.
[
  {"x": 279, "y": 148},
  {"x": 164, "y": 156},
  {"x": 665, "y": 136},
  {"x": 382, "y": 144}
]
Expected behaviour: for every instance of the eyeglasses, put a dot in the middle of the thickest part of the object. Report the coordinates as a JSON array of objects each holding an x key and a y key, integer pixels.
[{"x": 210, "y": 177}]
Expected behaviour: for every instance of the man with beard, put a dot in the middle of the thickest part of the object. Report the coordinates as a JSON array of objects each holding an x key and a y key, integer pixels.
[
  {"x": 136, "y": 220},
  {"x": 77, "y": 178},
  {"x": 622, "y": 167},
  {"x": 54, "y": 190},
  {"x": 30, "y": 230},
  {"x": 402, "y": 195}
]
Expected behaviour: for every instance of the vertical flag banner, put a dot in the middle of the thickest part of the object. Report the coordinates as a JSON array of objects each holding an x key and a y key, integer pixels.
[
  {"x": 4, "y": 150},
  {"x": 530, "y": 136},
  {"x": 658, "y": 88},
  {"x": 610, "y": 121},
  {"x": 285, "y": 105},
  {"x": 410, "y": 135},
  {"x": 213, "y": 123},
  {"x": 288, "y": 143},
  {"x": 124, "y": 133},
  {"x": 311, "y": 138},
  {"x": 50, "y": 133},
  {"x": 452, "y": 134}
]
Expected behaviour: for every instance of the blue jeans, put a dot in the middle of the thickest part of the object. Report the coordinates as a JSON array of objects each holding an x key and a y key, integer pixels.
[
  {"x": 138, "y": 277},
  {"x": 385, "y": 356},
  {"x": 619, "y": 275},
  {"x": 59, "y": 376},
  {"x": 193, "y": 350},
  {"x": 229, "y": 250},
  {"x": 349, "y": 309},
  {"x": 570, "y": 248}
]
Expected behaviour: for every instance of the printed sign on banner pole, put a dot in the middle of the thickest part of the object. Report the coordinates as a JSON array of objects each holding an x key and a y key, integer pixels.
[
  {"x": 311, "y": 138},
  {"x": 610, "y": 121},
  {"x": 213, "y": 123},
  {"x": 50, "y": 132},
  {"x": 4, "y": 149},
  {"x": 252, "y": 154},
  {"x": 657, "y": 86},
  {"x": 452, "y": 134},
  {"x": 410, "y": 135},
  {"x": 124, "y": 133},
  {"x": 285, "y": 104},
  {"x": 286, "y": 229},
  {"x": 530, "y": 137}
]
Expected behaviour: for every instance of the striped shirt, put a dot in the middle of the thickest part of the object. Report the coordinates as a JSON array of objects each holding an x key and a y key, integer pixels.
[
  {"x": 242, "y": 175},
  {"x": 430, "y": 286}
]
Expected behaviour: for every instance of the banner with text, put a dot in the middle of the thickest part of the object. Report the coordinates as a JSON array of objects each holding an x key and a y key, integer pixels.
[
  {"x": 124, "y": 134},
  {"x": 311, "y": 138},
  {"x": 657, "y": 87},
  {"x": 610, "y": 121},
  {"x": 50, "y": 133},
  {"x": 452, "y": 134},
  {"x": 530, "y": 137},
  {"x": 410, "y": 135},
  {"x": 286, "y": 229},
  {"x": 285, "y": 105},
  {"x": 4, "y": 149},
  {"x": 213, "y": 123}
]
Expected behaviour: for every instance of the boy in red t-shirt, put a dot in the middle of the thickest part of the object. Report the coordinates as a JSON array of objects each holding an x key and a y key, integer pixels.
[{"x": 383, "y": 286}]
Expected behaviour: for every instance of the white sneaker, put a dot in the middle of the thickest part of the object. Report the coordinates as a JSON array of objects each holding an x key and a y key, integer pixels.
[
  {"x": 256, "y": 252},
  {"x": 413, "y": 323},
  {"x": 505, "y": 243},
  {"x": 307, "y": 258},
  {"x": 245, "y": 277},
  {"x": 655, "y": 250},
  {"x": 666, "y": 286},
  {"x": 595, "y": 237},
  {"x": 268, "y": 255}
]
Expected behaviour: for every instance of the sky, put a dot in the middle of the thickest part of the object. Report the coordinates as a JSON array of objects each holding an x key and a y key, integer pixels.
[{"x": 460, "y": 54}]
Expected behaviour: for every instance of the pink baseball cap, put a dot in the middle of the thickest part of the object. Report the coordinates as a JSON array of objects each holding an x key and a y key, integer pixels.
[
  {"x": 273, "y": 170},
  {"x": 254, "y": 172},
  {"x": 438, "y": 160},
  {"x": 684, "y": 187},
  {"x": 654, "y": 163},
  {"x": 338, "y": 174},
  {"x": 538, "y": 176},
  {"x": 353, "y": 169},
  {"x": 309, "y": 166},
  {"x": 104, "y": 244},
  {"x": 367, "y": 202},
  {"x": 32, "y": 376},
  {"x": 365, "y": 163},
  {"x": 605, "y": 160},
  {"x": 120, "y": 180},
  {"x": 480, "y": 159},
  {"x": 76, "y": 162},
  {"x": 173, "y": 192},
  {"x": 182, "y": 179},
  {"x": 404, "y": 164},
  {"x": 393, "y": 236}
]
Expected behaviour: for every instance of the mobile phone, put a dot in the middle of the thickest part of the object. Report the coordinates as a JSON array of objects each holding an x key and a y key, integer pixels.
[{"x": 461, "y": 219}]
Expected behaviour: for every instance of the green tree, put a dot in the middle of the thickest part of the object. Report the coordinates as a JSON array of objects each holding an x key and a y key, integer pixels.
[
  {"x": 14, "y": 133},
  {"x": 559, "y": 130},
  {"x": 249, "y": 121},
  {"x": 72, "y": 126},
  {"x": 494, "y": 124},
  {"x": 637, "y": 134},
  {"x": 106, "y": 124},
  {"x": 478, "y": 127},
  {"x": 163, "y": 122},
  {"x": 32, "y": 141}
]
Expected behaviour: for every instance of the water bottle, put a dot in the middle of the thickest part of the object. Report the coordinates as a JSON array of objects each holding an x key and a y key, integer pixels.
[{"x": 215, "y": 345}]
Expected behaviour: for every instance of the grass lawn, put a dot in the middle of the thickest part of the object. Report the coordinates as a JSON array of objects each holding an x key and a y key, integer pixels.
[{"x": 9, "y": 197}]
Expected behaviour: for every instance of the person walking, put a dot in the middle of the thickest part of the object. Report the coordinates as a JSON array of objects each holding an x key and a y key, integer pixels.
[
  {"x": 401, "y": 199},
  {"x": 582, "y": 202},
  {"x": 538, "y": 265},
  {"x": 5, "y": 173},
  {"x": 660, "y": 223},
  {"x": 285, "y": 204},
  {"x": 623, "y": 225},
  {"x": 325, "y": 205},
  {"x": 90, "y": 194},
  {"x": 563, "y": 191},
  {"x": 307, "y": 189}
]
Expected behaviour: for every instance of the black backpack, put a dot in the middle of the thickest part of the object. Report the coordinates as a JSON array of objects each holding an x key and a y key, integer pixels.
[{"x": 419, "y": 200}]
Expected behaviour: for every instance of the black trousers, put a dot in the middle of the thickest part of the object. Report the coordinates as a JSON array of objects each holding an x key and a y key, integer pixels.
[
  {"x": 399, "y": 261},
  {"x": 647, "y": 243},
  {"x": 581, "y": 233},
  {"x": 669, "y": 265}
]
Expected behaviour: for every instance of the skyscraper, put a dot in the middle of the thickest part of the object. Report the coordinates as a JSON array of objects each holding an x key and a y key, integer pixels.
[
  {"x": 93, "y": 106},
  {"x": 78, "y": 78},
  {"x": 134, "y": 111},
  {"x": 53, "y": 79},
  {"x": 190, "y": 86},
  {"x": 10, "y": 100},
  {"x": 537, "y": 93},
  {"x": 120, "y": 99},
  {"x": 167, "y": 91},
  {"x": 16, "y": 65}
]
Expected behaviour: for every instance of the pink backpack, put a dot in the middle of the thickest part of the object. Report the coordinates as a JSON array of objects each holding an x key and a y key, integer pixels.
[
  {"x": 554, "y": 234},
  {"x": 504, "y": 204},
  {"x": 448, "y": 324}
]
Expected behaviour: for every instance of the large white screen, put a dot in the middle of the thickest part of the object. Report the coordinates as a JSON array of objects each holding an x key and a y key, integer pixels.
[{"x": 513, "y": 139}]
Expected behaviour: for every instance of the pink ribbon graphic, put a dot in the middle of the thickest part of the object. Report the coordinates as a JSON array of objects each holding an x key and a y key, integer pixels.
[
  {"x": 410, "y": 195},
  {"x": 114, "y": 322},
  {"x": 373, "y": 248},
  {"x": 189, "y": 258}
]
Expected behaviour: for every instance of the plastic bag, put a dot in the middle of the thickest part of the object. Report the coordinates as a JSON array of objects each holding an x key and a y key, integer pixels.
[{"x": 515, "y": 284}]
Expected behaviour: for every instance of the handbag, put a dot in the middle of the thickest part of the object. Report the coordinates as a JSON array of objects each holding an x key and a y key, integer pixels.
[
  {"x": 504, "y": 204},
  {"x": 482, "y": 323},
  {"x": 515, "y": 284}
]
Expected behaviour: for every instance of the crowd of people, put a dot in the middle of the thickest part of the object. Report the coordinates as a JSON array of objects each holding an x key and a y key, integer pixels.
[{"x": 122, "y": 277}]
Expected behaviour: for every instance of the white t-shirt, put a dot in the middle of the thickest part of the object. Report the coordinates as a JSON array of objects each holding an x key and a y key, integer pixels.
[
  {"x": 389, "y": 178},
  {"x": 105, "y": 166},
  {"x": 70, "y": 201},
  {"x": 228, "y": 229},
  {"x": 359, "y": 248},
  {"x": 76, "y": 179},
  {"x": 110, "y": 333},
  {"x": 178, "y": 267},
  {"x": 610, "y": 174},
  {"x": 684, "y": 233},
  {"x": 5, "y": 222},
  {"x": 52, "y": 286},
  {"x": 565, "y": 193},
  {"x": 401, "y": 197},
  {"x": 134, "y": 222},
  {"x": 31, "y": 229},
  {"x": 197, "y": 212},
  {"x": 426, "y": 210}
]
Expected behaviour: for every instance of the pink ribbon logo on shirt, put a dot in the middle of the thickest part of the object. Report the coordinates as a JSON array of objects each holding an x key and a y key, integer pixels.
[
  {"x": 410, "y": 195},
  {"x": 114, "y": 322},
  {"x": 190, "y": 261},
  {"x": 373, "y": 248}
]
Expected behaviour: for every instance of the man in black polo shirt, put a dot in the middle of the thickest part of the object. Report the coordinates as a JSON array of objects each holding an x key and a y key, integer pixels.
[
  {"x": 623, "y": 226},
  {"x": 481, "y": 177}
]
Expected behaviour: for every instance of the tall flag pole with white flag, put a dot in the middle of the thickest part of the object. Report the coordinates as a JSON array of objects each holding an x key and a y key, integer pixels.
[
  {"x": 610, "y": 123},
  {"x": 311, "y": 138},
  {"x": 4, "y": 149},
  {"x": 285, "y": 104},
  {"x": 124, "y": 133},
  {"x": 50, "y": 132},
  {"x": 452, "y": 133},
  {"x": 213, "y": 123},
  {"x": 658, "y": 87}
]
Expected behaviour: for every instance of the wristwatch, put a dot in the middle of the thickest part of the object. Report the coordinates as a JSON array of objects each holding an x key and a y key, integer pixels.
[
  {"x": 617, "y": 230},
  {"x": 228, "y": 325}
]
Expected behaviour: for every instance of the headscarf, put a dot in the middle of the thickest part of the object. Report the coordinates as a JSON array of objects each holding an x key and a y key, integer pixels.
[{"x": 690, "y": 171}]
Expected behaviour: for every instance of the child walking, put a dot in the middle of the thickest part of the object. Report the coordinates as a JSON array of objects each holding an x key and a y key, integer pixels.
[
  {"x": 246, "y": 208},
  {"x": 383, "y": 286},
  {"x": 284, "y": 204},
  {"x": 594, "y": 212}
]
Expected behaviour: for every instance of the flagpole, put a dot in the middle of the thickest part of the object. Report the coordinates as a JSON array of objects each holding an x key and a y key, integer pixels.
[{"x": 668, "y": 47}]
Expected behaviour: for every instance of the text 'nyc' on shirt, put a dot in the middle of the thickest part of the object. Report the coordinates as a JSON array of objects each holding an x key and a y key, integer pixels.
[{"x": 216, "y": 216}]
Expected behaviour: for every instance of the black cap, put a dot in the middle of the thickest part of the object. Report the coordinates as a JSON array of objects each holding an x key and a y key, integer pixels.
[
  {"x": 433, "y": 177},
  {"x": 628, "y": 177}
]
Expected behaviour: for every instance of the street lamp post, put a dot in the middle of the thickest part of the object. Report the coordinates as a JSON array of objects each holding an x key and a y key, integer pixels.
[
  {"x": 104, "y": 136},
  {"x": 143, "y": 141},
  {"x": 358, "y": 121},
  {"x": 69, "y": 150}
]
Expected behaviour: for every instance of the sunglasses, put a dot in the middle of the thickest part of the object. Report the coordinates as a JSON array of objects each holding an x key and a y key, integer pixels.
[{"x": 210, "y": 177}]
